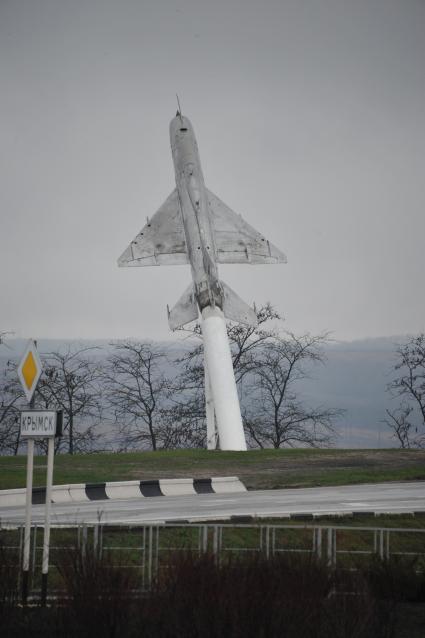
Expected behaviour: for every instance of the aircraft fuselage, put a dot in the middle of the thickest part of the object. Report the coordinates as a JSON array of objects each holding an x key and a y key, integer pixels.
[{"x": 195, "y": 213}]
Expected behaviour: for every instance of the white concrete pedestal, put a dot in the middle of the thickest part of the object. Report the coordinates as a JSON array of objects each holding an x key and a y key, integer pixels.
[{"x": 218, "y": 361}]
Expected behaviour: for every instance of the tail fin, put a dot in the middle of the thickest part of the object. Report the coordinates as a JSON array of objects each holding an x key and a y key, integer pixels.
[
  {"x": 235, "y": 309},
  {"x": 185, "y": 310}
]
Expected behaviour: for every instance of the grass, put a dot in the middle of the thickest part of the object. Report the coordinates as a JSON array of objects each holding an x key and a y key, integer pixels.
[{"x": 258, "y": 469}]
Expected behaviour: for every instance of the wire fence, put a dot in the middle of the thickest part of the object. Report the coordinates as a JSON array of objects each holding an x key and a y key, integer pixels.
[{"x": 151, "y": 550}]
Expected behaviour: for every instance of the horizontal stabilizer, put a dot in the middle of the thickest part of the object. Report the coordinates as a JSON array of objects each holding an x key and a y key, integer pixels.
[
  {"x": 235, "y": 309},
  {"x": 185, "y": 310},
  {"x": 161, "y": 242},
  {"x": 236, "y": 242}
]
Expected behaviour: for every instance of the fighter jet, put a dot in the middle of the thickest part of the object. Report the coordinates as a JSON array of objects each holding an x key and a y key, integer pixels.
[{"x": 195, "y": 227}]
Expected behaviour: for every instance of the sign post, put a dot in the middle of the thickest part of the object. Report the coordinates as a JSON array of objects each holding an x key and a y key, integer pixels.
[
  {"x": 40, "y": 424},
  {"x": 27, "y": 533},
  {"x": 29, "y": 372},
  {"x": 36, "y": 424},
  {"x": 46, "y": 539}
]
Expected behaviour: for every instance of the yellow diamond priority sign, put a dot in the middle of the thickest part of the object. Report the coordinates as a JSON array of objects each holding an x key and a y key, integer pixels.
[{"x": 29, "y": 370}]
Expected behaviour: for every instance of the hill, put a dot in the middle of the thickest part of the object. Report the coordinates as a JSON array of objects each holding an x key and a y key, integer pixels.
[{"x": 258, "y": 469}]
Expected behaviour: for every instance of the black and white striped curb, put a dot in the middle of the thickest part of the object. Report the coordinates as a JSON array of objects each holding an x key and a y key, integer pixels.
[{"x": 124, "y": 490}]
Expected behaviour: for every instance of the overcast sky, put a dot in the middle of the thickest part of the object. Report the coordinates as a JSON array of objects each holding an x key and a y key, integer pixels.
[{"x": 309, "y": 117}]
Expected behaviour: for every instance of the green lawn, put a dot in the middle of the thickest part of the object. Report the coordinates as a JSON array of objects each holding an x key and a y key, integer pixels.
[{"x": 258, "y": 469}]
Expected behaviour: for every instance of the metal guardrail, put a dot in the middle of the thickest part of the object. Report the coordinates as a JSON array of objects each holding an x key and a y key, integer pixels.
[{"x": 151, "y": 549}]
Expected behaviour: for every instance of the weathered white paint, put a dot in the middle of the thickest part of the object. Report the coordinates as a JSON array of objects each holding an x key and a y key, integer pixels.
[
  {"x": 212, "y": 437},
  {"x": 123, "y": 489},
  {"x": 39, "y": 424},
  {"x": 60, "y": 494},
  {"x": 226, "y": 484},
  {"x": 12, "y": 497},
  {"x": 28, "y": 505},
  {"x": 77, "y": 492},
  {"x": 176, "y": 487},
  {"x": 222, "y": 380},
  {"x": 48, "y": 505}
]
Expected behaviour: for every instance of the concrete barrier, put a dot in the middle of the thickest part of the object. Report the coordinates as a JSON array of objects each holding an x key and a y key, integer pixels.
[
  {"x": 226, "y": 484},
  {"x": 38, "y": 495},
  {"x": 203, "y": 486},
  {"x": 60, "y": 494},
  {"x": 150, "y": 488},
  {"x": 177, "y": 487},
  {"x": 12, "y": 497},
  {"x": 96, "y": 491},
  {"x": 77, "y": 492},
  {"x": 123, "y": 489}
]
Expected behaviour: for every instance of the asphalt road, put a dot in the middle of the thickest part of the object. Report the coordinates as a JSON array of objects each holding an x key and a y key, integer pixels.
[{"x": 379, "y": 498}]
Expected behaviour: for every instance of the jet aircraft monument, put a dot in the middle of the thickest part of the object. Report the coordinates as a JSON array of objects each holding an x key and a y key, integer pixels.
[{"x": 195, "y": 227}]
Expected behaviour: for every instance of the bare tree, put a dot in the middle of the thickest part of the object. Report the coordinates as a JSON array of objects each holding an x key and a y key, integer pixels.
[
  {"x": 179, "y": 426},
  {"x": 3, "y": 335},
  {"x": 247, "y": 341},
  {"x": 70, "y": 382},
  {"x": 244, "y": 343},
  {"x": 274, "y": 416},
  {"x": 268, "y": 363},
  {"x": 11, "y": 401},
  {"x": 399, "y": 422},
  {"x": 189, "y": 396},
  {"x": 407, "y": 421},
  {"x": 137, "y": 391}
]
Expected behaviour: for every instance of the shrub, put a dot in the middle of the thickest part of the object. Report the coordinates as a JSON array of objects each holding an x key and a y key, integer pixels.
[{"x": 99, "y": 594}]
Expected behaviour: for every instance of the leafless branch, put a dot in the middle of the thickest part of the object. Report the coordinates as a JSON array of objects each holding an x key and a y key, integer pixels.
[{"x": 407, "y": 421}]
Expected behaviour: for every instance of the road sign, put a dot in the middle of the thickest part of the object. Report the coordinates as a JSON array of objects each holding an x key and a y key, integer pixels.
[
  {"x": 29, "y": 369},
  {"x": 38, "y": 424}
]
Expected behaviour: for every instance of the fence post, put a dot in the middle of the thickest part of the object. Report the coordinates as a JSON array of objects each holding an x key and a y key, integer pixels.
[
  {"x": 319, "y": 542},
  {"x": 267, "y": 542},
  {"x": 150, "y": 549},
  {"x": 95, "y": 538},
  {"x": 84, "y": 540},
  {"x": 34, "y": 549},
  {"x": 334, "y": 547},
  {"x": 144, "y": 557},
  {"x": 381, "y": 543},
  {"x": 330, "y": 550},
  {"x": 205, "y": 539},
  {"x": 100, "y": 540},
  {"x": 157, "y": 552},
  {"x": 216, "y": 542}
]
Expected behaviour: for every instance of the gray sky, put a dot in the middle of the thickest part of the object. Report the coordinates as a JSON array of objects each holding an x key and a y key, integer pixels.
[{"x": 309, "y": 117}]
